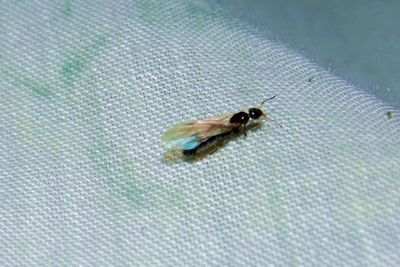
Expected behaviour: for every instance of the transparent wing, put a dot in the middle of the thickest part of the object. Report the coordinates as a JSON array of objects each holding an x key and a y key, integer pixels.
[{"x": 190, "y": 134}]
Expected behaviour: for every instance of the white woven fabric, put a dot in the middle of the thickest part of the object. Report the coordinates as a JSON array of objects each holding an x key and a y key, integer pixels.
[{"x": 86, "y": 91}]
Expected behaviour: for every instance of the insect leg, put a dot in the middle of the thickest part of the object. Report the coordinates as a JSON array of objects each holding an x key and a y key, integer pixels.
[{"x": 244, "y": 130}]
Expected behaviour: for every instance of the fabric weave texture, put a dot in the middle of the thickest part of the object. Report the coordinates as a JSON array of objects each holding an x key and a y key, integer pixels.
[{"x": 88, "y": 88}]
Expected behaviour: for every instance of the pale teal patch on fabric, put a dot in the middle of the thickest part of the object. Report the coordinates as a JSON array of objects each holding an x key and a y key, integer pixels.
[
  {"x": 39, "y": 88},
  {"x": 80, "y": 59}
]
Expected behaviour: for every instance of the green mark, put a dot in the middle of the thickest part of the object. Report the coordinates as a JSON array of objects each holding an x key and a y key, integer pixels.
[
  {"x": 148, "y": 12},
  {"x": 37, "y": 87},
  {"x": 138, "y": 191},
  {"x": 127, "y": 185},
  {"x": 79, "y": 61},
  {"x": 68, "y": 8},
  {"x": 62, "y": 18}
]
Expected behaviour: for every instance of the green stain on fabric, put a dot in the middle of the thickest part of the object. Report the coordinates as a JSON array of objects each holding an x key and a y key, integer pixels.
[
  {"x": 63, "y": 18},
  {"x": 132, "y": 190},
  {"x": 73, "y": 66},
  {"x": 138, "y": 191},
  {"x": 128, "y": 186},
  {"x": 68, "y": 8},
  {"x": 123, "y": 181},
  {"x": 114, "y": 164},
  {"x": 37, "y": 87},
  {"x": 148, "y": 11},
  {"x": 29, "y": 133},
  {"x": 80, "y": 59}
]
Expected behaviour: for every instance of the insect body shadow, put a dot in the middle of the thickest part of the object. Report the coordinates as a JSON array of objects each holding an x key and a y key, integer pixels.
[{"x": 208, "y": 148}]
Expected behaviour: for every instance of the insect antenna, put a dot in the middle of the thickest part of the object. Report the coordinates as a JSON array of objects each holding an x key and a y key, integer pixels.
[
  {"x": 277, "y": 123},
  {"x": 262, "y": 103}
]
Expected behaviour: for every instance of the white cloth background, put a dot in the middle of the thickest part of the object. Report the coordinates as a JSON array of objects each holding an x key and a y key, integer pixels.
[{"x": 86, "y": 91}]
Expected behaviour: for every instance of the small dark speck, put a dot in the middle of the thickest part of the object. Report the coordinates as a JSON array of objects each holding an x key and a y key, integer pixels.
[
  {"x": 390, "y": 114},
  {"x": 310, "y": 79}
]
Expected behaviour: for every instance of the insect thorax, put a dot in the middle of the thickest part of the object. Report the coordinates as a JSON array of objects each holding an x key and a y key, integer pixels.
[{"x": 240, "y": 117}]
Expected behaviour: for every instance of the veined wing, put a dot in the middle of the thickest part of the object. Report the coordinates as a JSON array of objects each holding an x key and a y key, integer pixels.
[
  {"x": 190, "y": 134},
  {"x": 206, "y": 127}
]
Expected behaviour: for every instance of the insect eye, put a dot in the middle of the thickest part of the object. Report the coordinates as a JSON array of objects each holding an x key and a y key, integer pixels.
[{"x": 255, "y": 113}]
